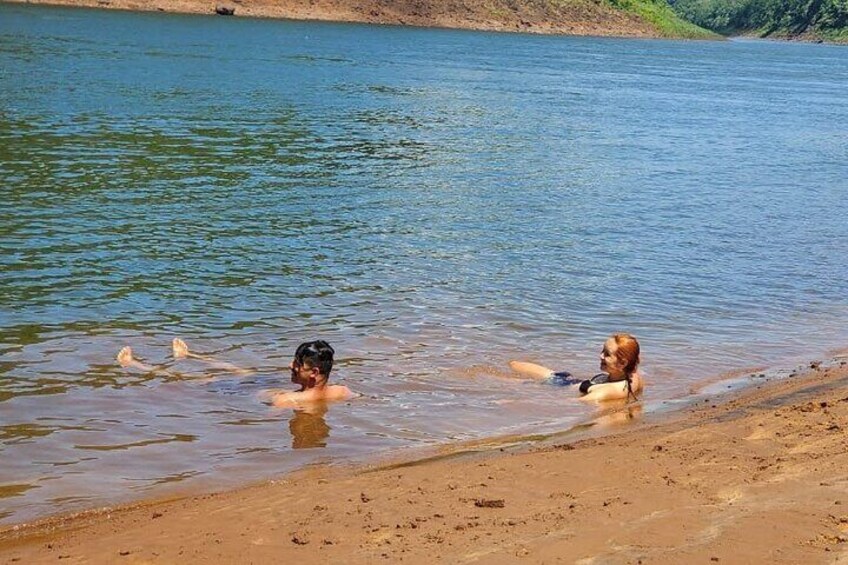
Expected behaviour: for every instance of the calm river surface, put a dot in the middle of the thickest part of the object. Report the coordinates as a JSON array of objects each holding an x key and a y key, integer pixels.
[{"x": 433, "y": 203}]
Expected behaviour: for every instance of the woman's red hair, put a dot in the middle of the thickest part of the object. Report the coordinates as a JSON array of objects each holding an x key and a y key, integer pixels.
[{"x": 627, "y": 352}]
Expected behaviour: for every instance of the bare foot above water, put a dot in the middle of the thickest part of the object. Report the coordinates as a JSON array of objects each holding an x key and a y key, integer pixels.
[
  {"x": 179, "y": 348},
  {"x": 125, "y": 357}
]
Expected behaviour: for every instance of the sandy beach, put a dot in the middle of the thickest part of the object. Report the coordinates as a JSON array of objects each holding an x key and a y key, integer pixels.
[
  {"x": 573, "y": 18},
  {"x": 754, "y": 476}
]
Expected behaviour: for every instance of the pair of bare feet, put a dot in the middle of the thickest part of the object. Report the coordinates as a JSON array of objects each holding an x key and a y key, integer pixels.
[{"x": 179, "y": 350}]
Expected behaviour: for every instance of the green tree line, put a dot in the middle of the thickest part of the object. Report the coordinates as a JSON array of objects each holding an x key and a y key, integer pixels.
[{"x": 826, "y": 19}]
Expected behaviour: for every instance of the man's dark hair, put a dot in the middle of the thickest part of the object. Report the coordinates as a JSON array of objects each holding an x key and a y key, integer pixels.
[{"x": 316, "y": 354}]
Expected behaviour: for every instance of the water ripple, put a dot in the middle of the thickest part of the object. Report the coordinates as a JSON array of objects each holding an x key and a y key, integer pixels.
[{"x": 433, "y": 210}]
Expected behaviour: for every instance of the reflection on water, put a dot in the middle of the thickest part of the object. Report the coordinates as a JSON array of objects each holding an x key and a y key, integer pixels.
[
  {"x": 616, "y": 414},
  {"x": 176, "y": 437},
  {"x": 431, "y": 202},
  {"x": 14, "y": 490},
  {"x": 308, "y": 427}
]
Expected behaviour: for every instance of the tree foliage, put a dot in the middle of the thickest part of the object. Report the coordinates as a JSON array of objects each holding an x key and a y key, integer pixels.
[{"x": 785, "y": 17}]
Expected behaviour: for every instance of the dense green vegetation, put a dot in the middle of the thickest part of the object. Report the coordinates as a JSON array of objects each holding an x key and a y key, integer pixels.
[
  {"x": 823, "y": 19},
  {"x": 660, "y": 15}
]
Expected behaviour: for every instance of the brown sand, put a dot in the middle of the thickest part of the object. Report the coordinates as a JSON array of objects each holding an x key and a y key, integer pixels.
[
  {"x": 761, "y": 477},
  {"x": 572, "y": 17}
]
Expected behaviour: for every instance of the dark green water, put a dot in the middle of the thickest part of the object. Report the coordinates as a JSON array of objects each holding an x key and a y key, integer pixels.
[{"x": 433, "y": 203}]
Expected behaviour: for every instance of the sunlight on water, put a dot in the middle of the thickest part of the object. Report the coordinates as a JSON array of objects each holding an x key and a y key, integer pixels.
[{"x": 433, "y": 203}]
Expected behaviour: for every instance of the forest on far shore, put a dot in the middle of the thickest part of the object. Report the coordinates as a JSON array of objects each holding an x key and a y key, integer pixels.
[{"x": 807, "y": 19}]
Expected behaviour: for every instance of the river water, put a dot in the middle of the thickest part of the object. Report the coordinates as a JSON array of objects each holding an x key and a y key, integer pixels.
[{"x": 432, "y": 202}]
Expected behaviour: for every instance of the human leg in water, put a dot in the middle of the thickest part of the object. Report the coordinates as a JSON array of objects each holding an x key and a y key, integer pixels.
[
  {"x": 531, "y": 370},
  {"x": 127, "y": 360},
  {"x": 180, "y": 351}
]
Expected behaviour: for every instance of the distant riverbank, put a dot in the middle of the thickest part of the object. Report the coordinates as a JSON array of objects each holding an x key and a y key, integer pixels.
[
  {"x": 617, "y": 18},
  {"x": 820, "y": 22}
]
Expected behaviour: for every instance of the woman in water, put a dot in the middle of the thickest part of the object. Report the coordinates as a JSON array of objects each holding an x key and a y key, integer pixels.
[{"x": 620, "y": 378}]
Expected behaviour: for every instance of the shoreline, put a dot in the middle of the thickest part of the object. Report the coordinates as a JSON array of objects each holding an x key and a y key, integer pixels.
[
  {"x": 582, "y": 22},
  {"x": 719, "y": 460},
  {"x": 580, "y": 19},
  {"x": 596, "y": 423},
  {"x": 804, "y": 38}
]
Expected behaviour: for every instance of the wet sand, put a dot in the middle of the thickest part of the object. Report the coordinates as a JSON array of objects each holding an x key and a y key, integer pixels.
[
  {"x": 754, "y": 476},
  {"x": 576, "y": 17}
]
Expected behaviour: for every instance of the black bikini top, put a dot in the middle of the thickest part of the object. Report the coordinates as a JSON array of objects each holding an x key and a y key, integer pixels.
[{"x": 598, "y": 379}]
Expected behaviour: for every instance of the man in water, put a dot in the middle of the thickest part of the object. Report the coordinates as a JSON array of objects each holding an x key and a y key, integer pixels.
[{"x": 310, "y": 369}]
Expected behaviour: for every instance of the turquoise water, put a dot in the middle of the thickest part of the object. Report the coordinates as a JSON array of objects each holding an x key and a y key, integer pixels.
[{"x": 432, "y": 202}]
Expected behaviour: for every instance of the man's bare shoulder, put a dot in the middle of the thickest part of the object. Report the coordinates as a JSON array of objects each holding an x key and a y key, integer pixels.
[
  {"x": 288, "y": 399},
  {"x": 294, "y": 399},
  {"x": 337, "y": 392}
]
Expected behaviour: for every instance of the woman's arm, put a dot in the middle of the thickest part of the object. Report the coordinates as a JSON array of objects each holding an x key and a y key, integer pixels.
[
  {"x": 606, "y": 391},
  {"x": 614, "y": 391}
]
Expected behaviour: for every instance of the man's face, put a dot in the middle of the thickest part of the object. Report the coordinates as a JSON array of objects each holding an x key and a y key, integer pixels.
[{"x": 302, "y": 374}]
